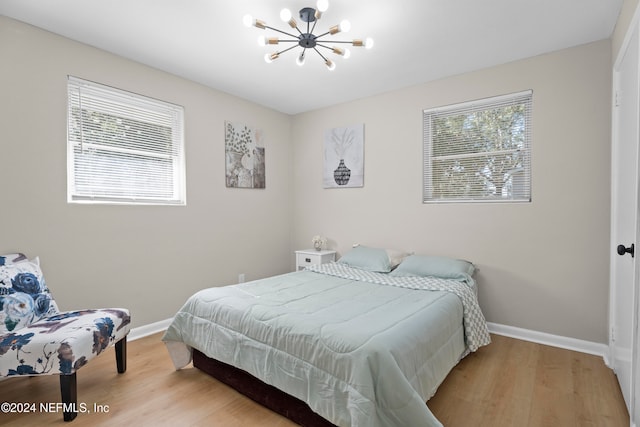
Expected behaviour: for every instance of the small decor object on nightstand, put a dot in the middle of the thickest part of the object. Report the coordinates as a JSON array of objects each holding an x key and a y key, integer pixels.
[{"x": 318, "y": 242}]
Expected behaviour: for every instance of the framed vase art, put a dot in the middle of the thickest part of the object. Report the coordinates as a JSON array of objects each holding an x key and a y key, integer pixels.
[
  {"x": 244, "y": 156},
  {"x": 344, "y": 157}
]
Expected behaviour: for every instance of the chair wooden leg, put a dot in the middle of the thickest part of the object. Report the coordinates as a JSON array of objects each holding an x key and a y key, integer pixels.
[
  {"x": 121, "y": 355},
  {"x": 69, "y": 391}
]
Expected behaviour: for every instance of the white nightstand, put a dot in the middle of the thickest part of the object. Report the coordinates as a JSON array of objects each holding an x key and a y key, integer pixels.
[{"x": 312, "y": 257}]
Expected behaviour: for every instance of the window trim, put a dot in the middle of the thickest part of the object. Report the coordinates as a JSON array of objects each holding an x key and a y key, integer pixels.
[
  {"x": 525, "y": 97},
  {"x": 171, "y": 113}
]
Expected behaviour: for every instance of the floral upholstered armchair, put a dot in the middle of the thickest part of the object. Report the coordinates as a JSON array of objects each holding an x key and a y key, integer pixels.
[{"x": 38, "y": 339}]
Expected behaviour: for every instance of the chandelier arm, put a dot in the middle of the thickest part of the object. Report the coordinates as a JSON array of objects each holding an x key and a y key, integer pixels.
[
  {"x": 328, "y": 47},
  {"x": 321, "y": 55},
  {"x": 282, "y": 32},
  {"x": 323, "y": 34},
  {"x": 324, "y": 46},
  {"x": 297, "y": 29},
  {"x": 287, "y": 49},
  {"x": 341, "y": 41}
]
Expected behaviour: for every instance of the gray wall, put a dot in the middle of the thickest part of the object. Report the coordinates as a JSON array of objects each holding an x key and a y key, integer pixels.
[
  {"x": 146, "y": 258},
  {"x": 543, "y": 265}
]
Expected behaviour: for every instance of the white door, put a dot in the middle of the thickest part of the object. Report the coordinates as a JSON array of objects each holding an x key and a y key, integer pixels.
[{"x": 624, "y": 217}]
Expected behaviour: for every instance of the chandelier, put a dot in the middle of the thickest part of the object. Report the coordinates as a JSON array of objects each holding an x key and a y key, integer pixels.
[{"x": 306, "y": 39}]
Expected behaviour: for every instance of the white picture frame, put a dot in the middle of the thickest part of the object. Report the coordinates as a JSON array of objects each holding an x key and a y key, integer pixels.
[{"x": 344, "y": 157}]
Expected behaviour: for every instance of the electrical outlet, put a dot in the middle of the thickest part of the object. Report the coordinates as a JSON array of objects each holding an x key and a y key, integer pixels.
[{"x": 241, "y": 278}]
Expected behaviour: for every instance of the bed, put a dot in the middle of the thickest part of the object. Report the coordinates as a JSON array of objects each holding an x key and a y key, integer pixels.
[{"x": 358, "y": 347}]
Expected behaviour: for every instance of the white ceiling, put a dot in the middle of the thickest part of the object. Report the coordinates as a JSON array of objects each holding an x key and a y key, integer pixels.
[{"x": 415, "y": 40}]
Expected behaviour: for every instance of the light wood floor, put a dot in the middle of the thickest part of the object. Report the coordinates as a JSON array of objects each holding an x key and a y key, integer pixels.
[{"x": 508, "y": 383}]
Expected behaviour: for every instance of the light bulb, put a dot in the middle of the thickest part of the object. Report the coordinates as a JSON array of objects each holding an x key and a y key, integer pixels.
[
  {"x": 300, "y": 59},
  {"x": 322, "y": 5},
  {"x": 330, "y": 65},
  {"x": 345, "y": 53},
  {"x": 262, "y": 41},
  {"x": 285, "y": 15},
  {"x": 270, "y": 57},
  {"x": 249, "y": 20},
  {"x": 368, "y": 43},
  {"x": 345, "y": 26}
]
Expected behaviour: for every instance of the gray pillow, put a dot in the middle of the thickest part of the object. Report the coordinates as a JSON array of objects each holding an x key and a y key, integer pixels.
[
  {"x": 435, "y": 266},
  {"x": 369, "y": 259}
]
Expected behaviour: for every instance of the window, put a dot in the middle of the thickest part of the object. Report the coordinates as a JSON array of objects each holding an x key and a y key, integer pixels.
[
  {"x": 123, "y": 147},
  {"x": 479, "y": 151}
]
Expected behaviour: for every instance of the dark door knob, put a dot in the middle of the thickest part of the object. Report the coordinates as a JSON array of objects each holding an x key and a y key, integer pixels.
[{"x": 630, "y": 250}]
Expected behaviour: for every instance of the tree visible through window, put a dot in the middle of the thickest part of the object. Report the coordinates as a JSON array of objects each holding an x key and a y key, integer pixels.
[{"x": 478, "y": 151}]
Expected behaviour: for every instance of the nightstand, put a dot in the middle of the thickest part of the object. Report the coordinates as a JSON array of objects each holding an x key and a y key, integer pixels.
[{"x": 312, "y": 257}]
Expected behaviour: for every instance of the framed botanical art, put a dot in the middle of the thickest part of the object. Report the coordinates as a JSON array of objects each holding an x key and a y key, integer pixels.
[
  {"x": 344, "y": 157},
  {"x": 244, "y": 156}
]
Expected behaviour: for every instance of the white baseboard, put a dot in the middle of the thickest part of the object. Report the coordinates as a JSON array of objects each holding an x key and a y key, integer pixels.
[
  {"x": 582, "y": 346},
  {"x": 146, "y": 330}
]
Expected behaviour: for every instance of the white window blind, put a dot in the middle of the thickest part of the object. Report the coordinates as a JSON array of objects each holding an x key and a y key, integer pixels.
[
  {"x": 123, "y": 147},
  {"x": 479, "y": 151}
]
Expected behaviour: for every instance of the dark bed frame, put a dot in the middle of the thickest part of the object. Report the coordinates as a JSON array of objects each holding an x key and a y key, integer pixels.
[{"x": 278, "y": 401}]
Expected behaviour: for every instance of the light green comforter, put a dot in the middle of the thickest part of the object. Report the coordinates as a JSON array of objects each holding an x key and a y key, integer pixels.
[{"x": 359, "y": 353}]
